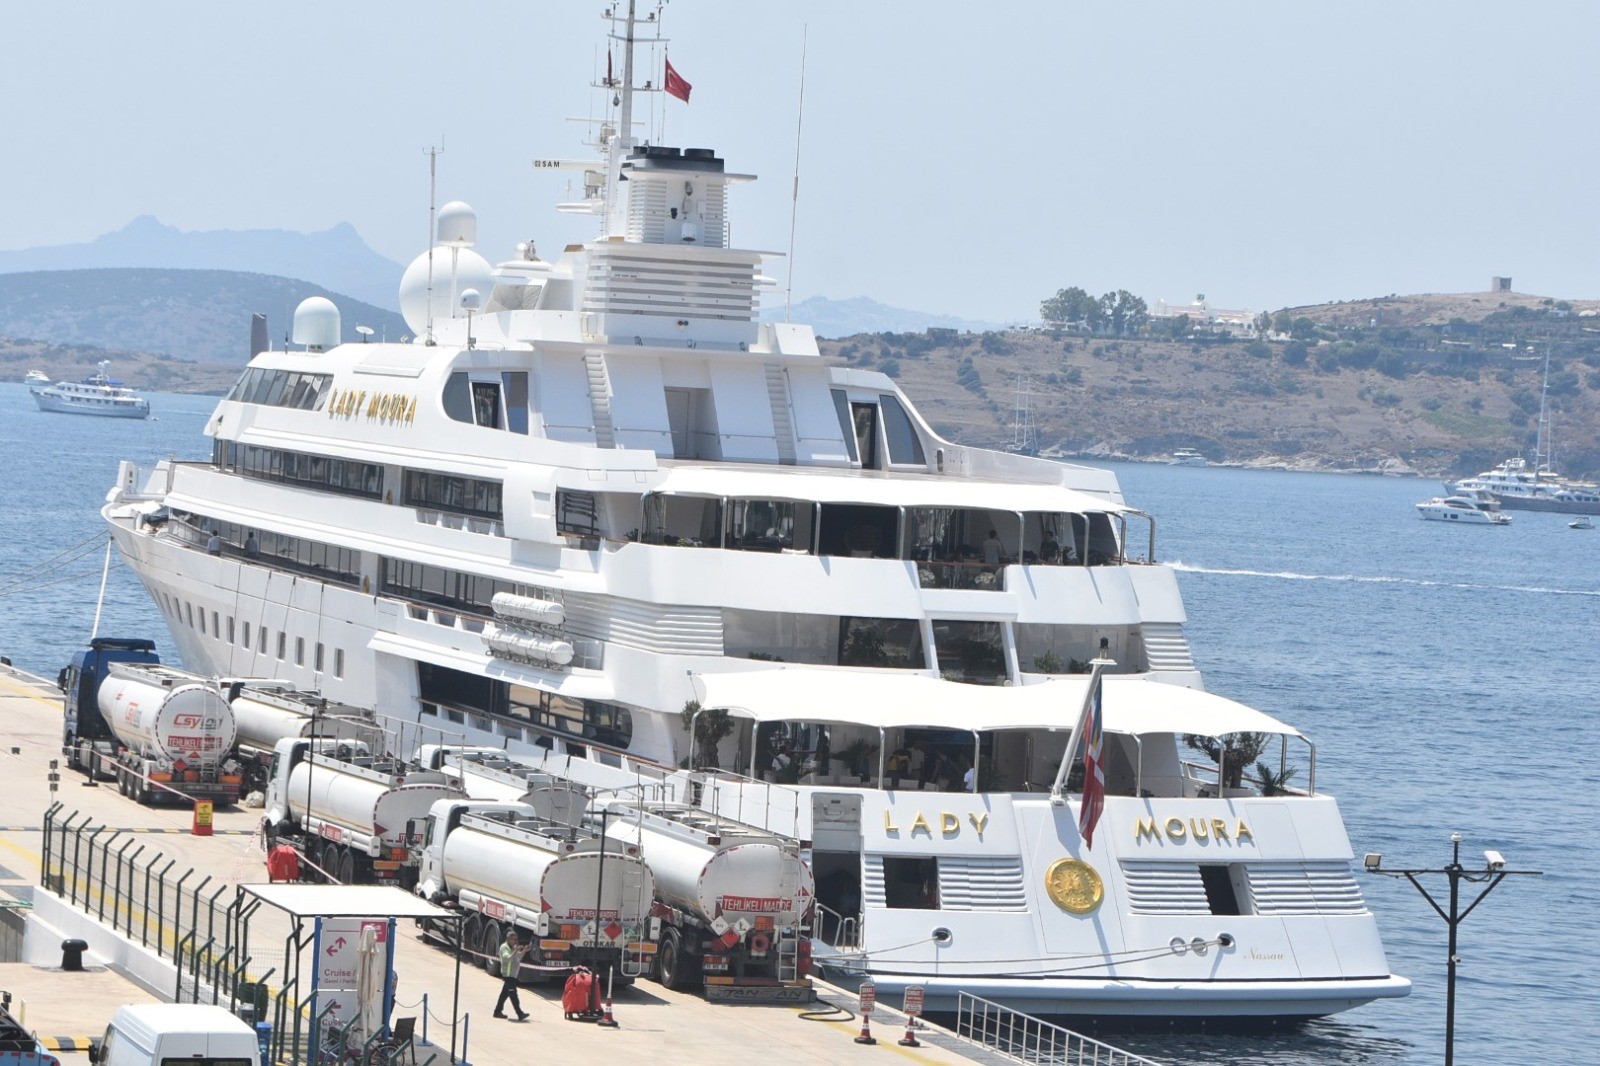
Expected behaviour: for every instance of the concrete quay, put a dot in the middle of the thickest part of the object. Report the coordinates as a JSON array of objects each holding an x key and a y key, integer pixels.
[{"x": 655, "y": 1024}]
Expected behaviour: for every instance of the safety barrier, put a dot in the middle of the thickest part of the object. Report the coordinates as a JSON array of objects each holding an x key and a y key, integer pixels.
[
  {"x": 1023, "y": 1038},
  {"x": 113, "y": 876}
]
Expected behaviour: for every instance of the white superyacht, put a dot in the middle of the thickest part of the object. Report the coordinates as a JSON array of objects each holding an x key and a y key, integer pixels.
[{"x": 595, "y": 493}]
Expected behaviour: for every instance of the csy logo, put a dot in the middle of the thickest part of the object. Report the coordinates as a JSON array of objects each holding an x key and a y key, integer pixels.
[{"x": 187, "y": 721}]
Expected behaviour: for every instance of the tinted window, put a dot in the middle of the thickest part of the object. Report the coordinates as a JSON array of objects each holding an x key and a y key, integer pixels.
[
  {"x": 458, "y": 398},
  {"x": 904, "y": 445}
]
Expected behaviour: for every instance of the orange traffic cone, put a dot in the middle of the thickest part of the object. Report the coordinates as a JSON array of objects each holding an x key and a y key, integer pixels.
[
  {"x": 866, "y": 1030},
  {"x": 606, "y": 1020},
  {"x": 911, "y": 1032}
]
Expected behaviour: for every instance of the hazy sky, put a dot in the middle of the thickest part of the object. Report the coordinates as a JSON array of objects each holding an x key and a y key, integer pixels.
[{"x": 966, "y": 157}]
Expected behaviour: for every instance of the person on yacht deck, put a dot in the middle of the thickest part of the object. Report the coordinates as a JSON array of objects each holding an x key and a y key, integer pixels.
[{"x": 993, "y": 550}]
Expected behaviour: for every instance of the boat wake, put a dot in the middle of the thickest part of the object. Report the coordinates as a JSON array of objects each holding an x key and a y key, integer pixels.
[{"x": 1289, "y": 575}]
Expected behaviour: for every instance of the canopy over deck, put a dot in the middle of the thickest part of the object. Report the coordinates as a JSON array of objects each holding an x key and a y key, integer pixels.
[{"x": 881, "y": 700}]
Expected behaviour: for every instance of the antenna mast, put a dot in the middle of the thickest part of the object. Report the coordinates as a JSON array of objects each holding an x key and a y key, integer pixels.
[
  {"x": 794, "y": 201},
  {"x": 433, "y": 179}
]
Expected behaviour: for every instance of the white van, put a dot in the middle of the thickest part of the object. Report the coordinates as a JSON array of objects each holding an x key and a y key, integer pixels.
[{"x": 176, "y": 1034}]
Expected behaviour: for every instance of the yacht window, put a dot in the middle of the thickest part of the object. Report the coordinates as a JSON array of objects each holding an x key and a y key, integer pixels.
[
  {"x": 261, "y": 386},
  {"x": 299, "y": 651},
  {"x": 894, "y": 643},
  {"x": 244, "y": 637},
  {"x": 262, "y": 647},
  {"x": 458, "y": 397},
  {"x": 780, "y": 636},
  {"x": 971, "y": 652},
  {"x": 866, "y": 531},
  {"x": 516, "y": 383},
  {"x": 275, "y": 388},
  {"x": 486, "y": 403},
  {"x": 910, "y": 884},
  {"x": 230, "y": 629},
  {"x": 686, "y": 521},
  {"x": 865, "y": 418},
  {"x": 338, "y": 662},
  {"x": 841, "y": 407},
  {"x": 283, "y": 644},
  {"x": 242, "y": 386},
  {"x": 188, "y": 610},
  {"x": 904, "y": 445},
  {"x": 577, "y": 513},
  {"x": 769, "y": 525},
  {"x": 446, "y": 492}
]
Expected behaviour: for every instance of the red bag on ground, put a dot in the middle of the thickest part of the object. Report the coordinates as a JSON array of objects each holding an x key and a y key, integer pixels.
[
  {"x": 283, "y": 864},
  {"x": 581, "y": 995}
]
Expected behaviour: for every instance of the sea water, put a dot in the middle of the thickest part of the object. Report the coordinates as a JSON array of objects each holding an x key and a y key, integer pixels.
[{"x": 1447, "y": 674}]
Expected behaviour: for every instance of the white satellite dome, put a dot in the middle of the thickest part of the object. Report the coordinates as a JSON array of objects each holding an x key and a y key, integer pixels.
[
  {"x": 466, "y": 268},
  {"x": 458, "y": 224},
  {"x": 316, "y": 324}
]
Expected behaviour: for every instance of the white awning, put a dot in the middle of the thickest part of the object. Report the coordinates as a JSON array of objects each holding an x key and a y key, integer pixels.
[
  {"x": 881, "y": 700},
  {"x": 873, "y": 487}
]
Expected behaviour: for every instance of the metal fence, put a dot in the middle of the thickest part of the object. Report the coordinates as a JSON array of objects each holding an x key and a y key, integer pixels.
[
  {"x": 1023, "y": 1038},
  {"x": 200, "y": 925},
  {"x": 131, "y": 886}
]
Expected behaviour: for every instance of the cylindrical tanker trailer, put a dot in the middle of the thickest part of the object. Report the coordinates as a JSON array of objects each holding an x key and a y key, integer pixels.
[
  {"x": 265, "y": 715},
  {"x": 735, "y": 899},
  {"x": 507, "y": 867},
  {"x": 173, "y": 729},
  {"x": 353, "y": 815}
]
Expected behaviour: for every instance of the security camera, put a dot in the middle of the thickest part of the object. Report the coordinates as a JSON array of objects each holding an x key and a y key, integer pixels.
[
  {"x": 1373, "y": 860},
  {"x": 1496, "y": 860}
]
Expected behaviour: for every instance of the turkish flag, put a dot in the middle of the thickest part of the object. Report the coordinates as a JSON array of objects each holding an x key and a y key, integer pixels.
[{"x": 676, "y": 86}]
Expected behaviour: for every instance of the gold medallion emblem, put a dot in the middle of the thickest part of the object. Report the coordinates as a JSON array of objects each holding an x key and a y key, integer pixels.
[{"x": 1074, "y": 886}]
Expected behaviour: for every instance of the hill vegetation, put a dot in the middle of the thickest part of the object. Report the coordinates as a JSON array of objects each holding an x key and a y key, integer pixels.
[{"x": 1435, "y": 384}]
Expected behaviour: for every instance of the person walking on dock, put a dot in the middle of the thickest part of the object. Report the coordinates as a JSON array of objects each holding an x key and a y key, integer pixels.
[{"x": 510, "y": 965}]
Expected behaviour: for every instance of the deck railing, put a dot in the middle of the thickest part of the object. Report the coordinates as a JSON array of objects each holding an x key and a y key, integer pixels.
[{"x": 1023, "y": 1038}]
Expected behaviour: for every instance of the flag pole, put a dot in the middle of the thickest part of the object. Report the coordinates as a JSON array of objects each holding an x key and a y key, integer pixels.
[{"x": 1097, "y": 664}]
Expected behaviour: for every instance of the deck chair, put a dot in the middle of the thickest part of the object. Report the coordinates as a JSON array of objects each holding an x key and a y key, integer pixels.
[{"x": 404, "y": 1035}]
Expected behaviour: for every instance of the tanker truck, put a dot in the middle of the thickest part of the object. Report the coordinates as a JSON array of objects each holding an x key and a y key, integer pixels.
[
  {"x": 508, "y": 868},
  {"x": 155, "y": 730},
  {"x": 265, "y": 713},
  {"x": 350, "y": 813},
  {"x": 734, "y": 900}
]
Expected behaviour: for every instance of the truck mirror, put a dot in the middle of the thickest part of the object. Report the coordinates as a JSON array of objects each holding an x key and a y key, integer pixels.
[
  {"x": 61, "y": 678},
  {"x": 411, "y": 830},
  {"x": 94, "y": 1052}
]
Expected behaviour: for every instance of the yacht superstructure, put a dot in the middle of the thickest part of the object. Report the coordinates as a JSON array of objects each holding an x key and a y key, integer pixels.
[{"x": 597, "y": 499}]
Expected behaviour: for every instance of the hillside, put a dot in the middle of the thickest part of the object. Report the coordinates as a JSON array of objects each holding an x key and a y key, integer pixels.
[
  {"x": 1431, "y": 391},
  {"x": 199, "y": 315}
]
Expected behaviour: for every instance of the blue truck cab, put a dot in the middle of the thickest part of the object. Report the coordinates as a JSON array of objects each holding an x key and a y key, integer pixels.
[{"x": 87, "y": 740}]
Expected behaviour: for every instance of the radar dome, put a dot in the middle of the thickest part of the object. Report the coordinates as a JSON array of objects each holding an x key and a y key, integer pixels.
[
  {"x": 454, "y": 270},
  {"x": 316, "y": 324},
  {"x": 458, "y": 224}
]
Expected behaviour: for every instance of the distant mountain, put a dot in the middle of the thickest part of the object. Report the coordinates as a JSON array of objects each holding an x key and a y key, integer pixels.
[
  {"x": 196, "y": 315},
  {"x": 846, "y": 318},
  {"x": 337, "y": 258}
]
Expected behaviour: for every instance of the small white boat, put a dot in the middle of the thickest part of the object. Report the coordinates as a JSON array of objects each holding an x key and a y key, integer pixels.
[
  {"x": 36, "y": 377},
  {"x": 96, "y": 394},
  {"x": 1188, "y": 457},
  {"x": 1475, "y": 507},
  {"x": 1581, "y": 522}
]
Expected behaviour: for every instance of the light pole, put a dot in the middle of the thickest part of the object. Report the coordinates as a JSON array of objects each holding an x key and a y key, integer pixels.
[{"x": 1490, "y": 876}]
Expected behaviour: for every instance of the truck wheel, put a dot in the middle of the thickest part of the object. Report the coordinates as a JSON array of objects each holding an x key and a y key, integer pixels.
[
  {"x": 493, "y": 935},
  {"x": 674, "y": 963},
  {"x": 490, "y": 947},
  {"x": 347, "y": 866}
]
